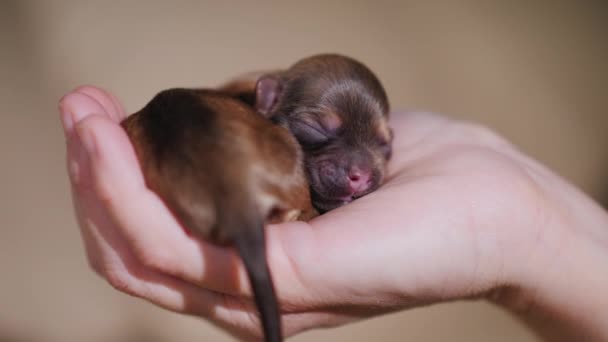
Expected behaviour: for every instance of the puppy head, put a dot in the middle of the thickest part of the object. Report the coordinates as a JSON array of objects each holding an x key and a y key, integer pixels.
[{"x": 338, "y": 111}]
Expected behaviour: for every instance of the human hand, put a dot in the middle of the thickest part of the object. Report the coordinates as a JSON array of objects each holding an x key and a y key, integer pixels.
[{"x": 462, "y": 214}]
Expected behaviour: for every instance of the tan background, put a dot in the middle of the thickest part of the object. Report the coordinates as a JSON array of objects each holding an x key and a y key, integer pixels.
[{"x": 535, "y": 71}]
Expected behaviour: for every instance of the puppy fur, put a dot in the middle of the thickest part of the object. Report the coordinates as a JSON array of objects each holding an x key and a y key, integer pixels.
[
  {"x": 338, "y": 111},
  {"x": 224, "y": 171}
]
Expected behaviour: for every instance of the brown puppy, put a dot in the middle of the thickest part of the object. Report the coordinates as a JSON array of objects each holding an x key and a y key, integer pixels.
[
  {"x": 224, "y": 171},
  {"x": 338, "y": 111}
]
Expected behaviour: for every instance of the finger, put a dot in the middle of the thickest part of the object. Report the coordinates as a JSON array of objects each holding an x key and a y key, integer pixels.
[
  {"x": 109, "y": 254},
  {"x": 356, "y": 254},
  {"x": 77, "y": 171},
  {"x": 74, "y": 107},
  {"x": 156, "y": 238},
  {"x": 109, "y": 102},
  {"x": 291, "y": 251},
  {"x": 107, "y": 251},
  {"x": 409, "y": 242},
  {"x": 113, "y": 259}
]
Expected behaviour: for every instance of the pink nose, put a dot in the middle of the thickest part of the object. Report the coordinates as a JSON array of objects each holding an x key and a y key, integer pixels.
[{"x": 359, "y": 180}]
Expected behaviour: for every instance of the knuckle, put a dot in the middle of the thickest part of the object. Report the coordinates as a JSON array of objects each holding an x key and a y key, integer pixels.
[
  {"x": 119, "y": 280},
  {"x": 105, "y": 195}
]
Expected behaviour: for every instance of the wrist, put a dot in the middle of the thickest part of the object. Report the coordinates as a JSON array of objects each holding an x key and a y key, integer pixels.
[{"x": 562, "y": 287}]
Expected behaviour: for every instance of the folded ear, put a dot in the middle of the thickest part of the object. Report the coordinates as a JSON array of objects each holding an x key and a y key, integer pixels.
[{"x": 267, "y": 91}]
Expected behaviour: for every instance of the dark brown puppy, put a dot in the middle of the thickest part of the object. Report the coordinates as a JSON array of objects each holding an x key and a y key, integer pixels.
[
  {"x": 338, "y": 111},
  {"x": 224, "y": 171}
]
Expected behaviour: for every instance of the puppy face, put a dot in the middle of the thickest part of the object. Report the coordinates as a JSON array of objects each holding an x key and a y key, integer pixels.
[
  {"x": 345, "y": 154},
  {"x": 337, "y": 110}
]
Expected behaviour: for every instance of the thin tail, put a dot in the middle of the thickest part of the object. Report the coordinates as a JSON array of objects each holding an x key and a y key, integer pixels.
[
  {"x": 251, "y": 245},
  {"x": 175, "y": 135}
]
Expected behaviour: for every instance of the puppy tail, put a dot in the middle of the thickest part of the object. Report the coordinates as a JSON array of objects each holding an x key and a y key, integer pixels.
[{"x": 250, "y": 243}]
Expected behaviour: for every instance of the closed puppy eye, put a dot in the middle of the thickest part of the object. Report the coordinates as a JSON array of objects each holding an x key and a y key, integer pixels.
[{"x": 310, "y": 134}]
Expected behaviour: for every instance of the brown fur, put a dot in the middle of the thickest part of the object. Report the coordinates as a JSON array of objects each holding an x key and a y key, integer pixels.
[
  {"x": 224, "y": 171},
  {"x": 327, "y": 96}
]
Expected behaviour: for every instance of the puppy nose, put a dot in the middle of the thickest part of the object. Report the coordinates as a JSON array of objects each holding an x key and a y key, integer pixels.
[{"x": 359, "y": 180}]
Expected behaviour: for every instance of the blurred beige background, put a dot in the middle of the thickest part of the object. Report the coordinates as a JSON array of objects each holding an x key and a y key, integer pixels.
[{"x": 534, "y": 71}]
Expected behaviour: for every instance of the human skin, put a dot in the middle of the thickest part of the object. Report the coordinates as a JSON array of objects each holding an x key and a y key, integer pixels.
[{"x": 462, "y": 215}]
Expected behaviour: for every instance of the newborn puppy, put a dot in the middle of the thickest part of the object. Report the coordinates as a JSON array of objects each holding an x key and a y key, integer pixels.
[
  {"x": 338, "y": 111},
  {"x": 224, "y": 171}
]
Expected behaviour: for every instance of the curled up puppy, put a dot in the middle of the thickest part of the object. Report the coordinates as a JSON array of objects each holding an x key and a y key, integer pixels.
[
  {"x": 338, "y": 111},
  {"x": 224, "y": 172}
]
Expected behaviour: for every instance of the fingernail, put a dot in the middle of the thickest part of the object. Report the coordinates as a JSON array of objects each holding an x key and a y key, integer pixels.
[{"x": 88, "y": 139}]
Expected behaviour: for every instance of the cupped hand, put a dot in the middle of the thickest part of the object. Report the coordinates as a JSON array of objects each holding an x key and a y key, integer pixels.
[{"x": 456, "y": 218}]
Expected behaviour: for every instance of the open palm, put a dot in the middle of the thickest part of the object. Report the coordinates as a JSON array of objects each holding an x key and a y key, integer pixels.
[{"x": 457, "y": 203}]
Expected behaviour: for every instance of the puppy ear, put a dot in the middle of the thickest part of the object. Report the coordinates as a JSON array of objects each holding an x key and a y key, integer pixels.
[{"x": 267, "y": 91}]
